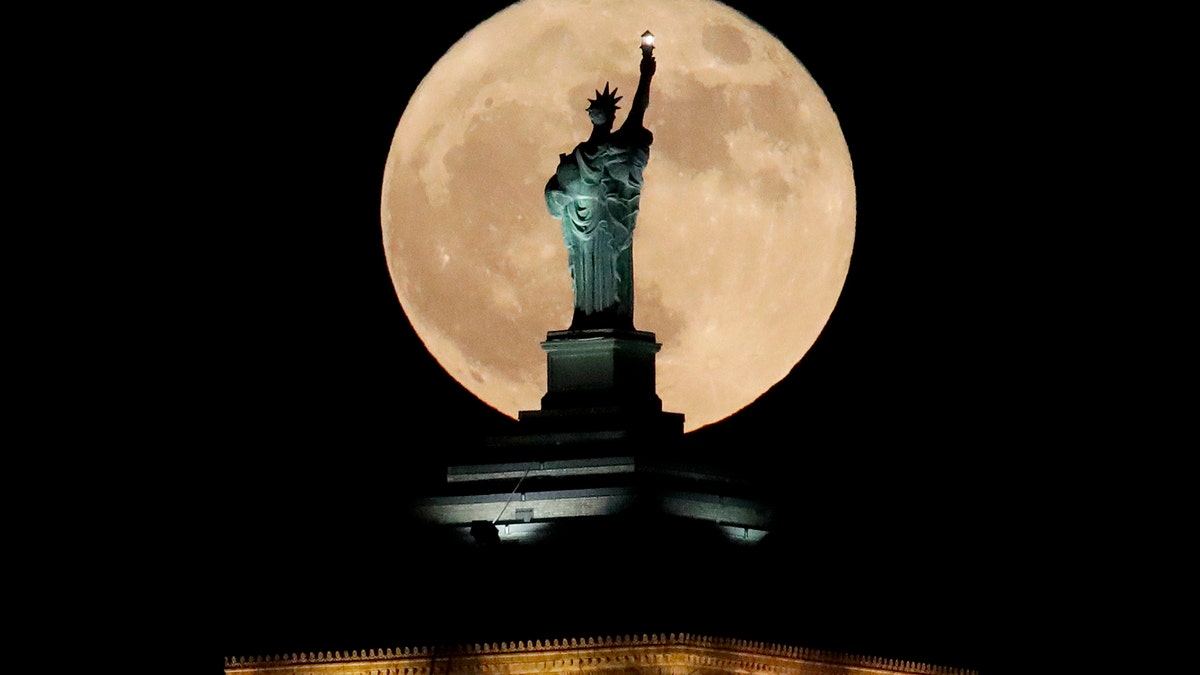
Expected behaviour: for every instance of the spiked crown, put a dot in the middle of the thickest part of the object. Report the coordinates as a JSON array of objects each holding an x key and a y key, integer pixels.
[{"x": 606, "y": 101}]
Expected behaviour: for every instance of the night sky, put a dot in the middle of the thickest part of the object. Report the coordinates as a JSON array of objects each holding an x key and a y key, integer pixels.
[{"x": 327, "y": 409}]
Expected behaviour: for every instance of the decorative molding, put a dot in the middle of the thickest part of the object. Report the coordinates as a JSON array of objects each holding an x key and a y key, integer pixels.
[{"x": 675, "y": 654}]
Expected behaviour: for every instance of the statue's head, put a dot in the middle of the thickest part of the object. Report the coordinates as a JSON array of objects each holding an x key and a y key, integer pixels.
[{"x": 603, "y": 109}]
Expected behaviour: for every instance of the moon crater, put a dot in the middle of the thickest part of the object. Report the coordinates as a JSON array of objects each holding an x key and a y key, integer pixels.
[{"x": 725, "y": 42}]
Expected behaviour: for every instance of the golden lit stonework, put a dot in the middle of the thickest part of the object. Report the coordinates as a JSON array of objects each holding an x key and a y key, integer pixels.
[{"x": 674, "y": 654}]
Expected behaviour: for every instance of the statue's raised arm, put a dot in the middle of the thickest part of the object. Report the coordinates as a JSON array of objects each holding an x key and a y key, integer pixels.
[{"x": 641, "y": 100}]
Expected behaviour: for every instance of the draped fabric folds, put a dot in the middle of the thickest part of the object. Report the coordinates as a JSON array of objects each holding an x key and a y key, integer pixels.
[{"x": 595, "y": 193}]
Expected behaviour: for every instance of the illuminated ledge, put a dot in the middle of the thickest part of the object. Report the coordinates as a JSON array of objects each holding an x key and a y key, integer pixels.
[
  {"x": 516, "y": 497},
  {"x": 674, "y": 654},
  {"x": 743, "y": 516},
  {"x": 580, "y": 467},
  {"x": 553, "y": 469}
]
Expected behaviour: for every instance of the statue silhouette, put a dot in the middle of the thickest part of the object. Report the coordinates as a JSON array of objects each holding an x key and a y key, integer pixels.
[{"x": 595, "y": 193}]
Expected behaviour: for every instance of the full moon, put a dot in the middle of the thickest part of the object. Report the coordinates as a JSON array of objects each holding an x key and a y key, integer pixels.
[{"x": 746, "y": 228}]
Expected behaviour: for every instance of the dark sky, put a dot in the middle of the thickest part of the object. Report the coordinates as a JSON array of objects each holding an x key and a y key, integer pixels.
[{"x": 326, "y": 408}]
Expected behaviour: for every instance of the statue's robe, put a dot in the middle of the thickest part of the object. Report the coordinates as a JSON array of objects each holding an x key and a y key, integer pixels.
[{"x": 595, "y": 193}]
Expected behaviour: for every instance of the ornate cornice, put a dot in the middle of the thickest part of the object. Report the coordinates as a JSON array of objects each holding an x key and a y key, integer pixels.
[{"x": 683, "y": 652}]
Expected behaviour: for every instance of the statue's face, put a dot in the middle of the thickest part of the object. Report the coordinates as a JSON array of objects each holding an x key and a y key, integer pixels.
[{"x": 599, "y": 116}]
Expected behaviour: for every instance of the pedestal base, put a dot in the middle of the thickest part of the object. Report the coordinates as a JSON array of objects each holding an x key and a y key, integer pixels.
[
  {"x": 600, "y": 370},
  {"x": 600, "y": 387}
]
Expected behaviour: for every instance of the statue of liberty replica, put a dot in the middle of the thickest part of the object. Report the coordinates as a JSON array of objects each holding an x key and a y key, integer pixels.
[
  {"x": 595, "y": 193},
  {"x": 600, "y": 371}
]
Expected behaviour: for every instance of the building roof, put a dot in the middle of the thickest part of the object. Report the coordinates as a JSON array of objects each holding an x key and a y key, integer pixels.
[{"x": 693, "y": 654}]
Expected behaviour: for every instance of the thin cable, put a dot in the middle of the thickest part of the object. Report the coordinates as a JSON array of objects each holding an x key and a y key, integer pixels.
[{"x": 514, "y": 492}]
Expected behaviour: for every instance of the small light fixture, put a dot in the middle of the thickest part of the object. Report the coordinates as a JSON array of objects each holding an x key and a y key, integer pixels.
[{"x": 647, "y": 43}]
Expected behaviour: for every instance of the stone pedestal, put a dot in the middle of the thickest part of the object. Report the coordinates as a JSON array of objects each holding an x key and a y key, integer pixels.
[
  {"x": 600, "y": 385},
  {"x": 600, "y": 457},
  {"x": 596, "y": 370}
]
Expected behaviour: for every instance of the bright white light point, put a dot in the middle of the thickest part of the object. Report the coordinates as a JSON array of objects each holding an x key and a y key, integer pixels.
[{"x": 747, "y": 218}]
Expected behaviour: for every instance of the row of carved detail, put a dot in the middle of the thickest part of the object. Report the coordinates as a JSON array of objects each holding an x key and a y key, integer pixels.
[{"x": 684, "y": 639}]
